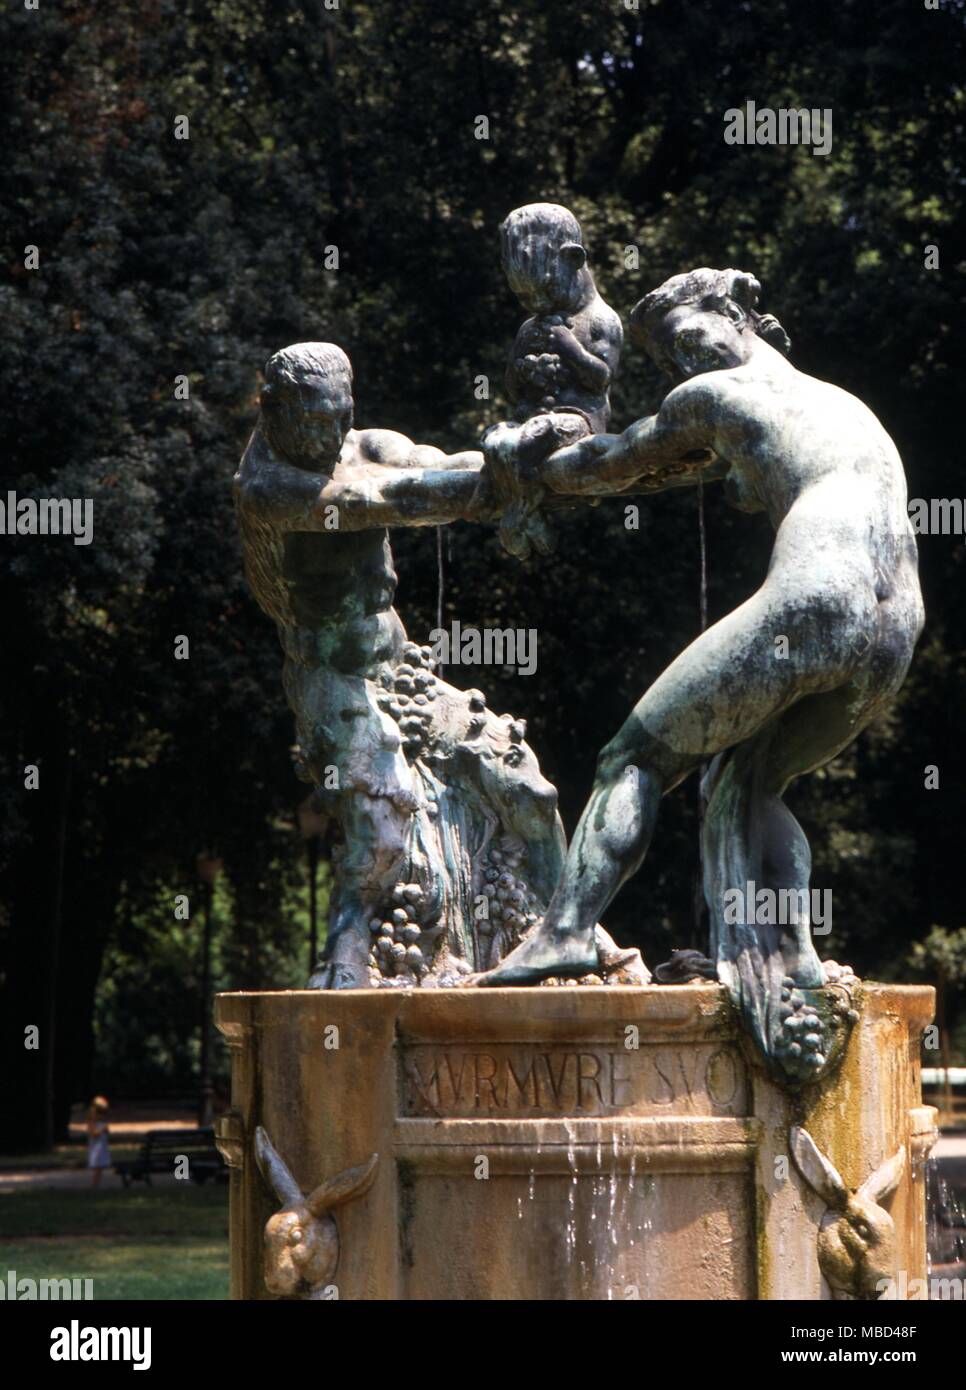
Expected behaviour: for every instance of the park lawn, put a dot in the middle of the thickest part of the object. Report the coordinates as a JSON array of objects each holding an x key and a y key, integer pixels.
[
  {"x": 167, "y": 1242},
  {"x": 63, "y": 1156}
]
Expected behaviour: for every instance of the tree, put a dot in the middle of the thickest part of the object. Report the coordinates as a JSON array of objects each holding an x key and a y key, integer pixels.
[
  {"x": 169, "y": 262},
  {"x": 942, "y": 955}
]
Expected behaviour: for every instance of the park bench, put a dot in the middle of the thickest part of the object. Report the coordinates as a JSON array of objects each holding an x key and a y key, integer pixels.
[{"x": 162, "y": 1147}]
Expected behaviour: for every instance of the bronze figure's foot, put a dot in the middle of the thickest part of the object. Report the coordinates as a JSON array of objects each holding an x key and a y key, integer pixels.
[{"x": 543, "y": 956}]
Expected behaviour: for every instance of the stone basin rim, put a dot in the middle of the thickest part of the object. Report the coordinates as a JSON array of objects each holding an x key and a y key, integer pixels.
[{"x": 692, "y": 989}]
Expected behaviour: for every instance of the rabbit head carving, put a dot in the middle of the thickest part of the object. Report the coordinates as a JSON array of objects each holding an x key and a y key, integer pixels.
[
  {"x": 302, "y": 1240},
  {"x": 856, "y": 1240}
]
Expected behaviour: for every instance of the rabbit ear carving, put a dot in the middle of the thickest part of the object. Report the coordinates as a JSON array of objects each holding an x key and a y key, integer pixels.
[
  {"x": 274, "y": 1170},
  {"x": 821, "y": 1175},
  {"x": 881, "y": 1184},
  {"x": 353, "y": 1182}
]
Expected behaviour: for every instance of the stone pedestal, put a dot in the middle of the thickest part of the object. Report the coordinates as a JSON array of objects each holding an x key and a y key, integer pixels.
[{"x": 563, "y": 1143}]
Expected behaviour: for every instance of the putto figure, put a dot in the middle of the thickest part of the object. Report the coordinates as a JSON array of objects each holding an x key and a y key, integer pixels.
[
  {"x": 842, "y": 592},
  {"x": 568, "y": 351},
  {"x": 565, "y": 356}
]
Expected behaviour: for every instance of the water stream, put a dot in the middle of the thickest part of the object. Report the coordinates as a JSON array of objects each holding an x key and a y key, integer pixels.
[{"x": 945, "y": 1224}]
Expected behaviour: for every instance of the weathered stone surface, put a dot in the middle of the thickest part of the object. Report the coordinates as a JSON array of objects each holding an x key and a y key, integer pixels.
[{"x": 612, "y": 1170}]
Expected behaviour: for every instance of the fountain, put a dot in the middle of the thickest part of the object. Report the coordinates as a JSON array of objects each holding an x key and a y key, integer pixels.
[{"x": 481, "y": 1095}]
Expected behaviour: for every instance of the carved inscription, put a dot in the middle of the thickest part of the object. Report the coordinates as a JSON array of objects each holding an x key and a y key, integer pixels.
[{"x": 503, "y": 1079}]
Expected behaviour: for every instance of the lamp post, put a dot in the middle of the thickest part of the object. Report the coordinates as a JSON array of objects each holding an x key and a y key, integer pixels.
[
  {"x": 311, "y": 826},
  {"x": 208, "y": 868}
]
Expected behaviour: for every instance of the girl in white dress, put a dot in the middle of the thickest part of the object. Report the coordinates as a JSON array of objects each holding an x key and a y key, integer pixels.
[{"x": 98, "y": 1148}]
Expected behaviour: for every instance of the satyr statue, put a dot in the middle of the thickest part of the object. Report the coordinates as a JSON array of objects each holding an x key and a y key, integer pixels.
[
  {"x": 450, "y": 841},
  {"x": 314, "y": 497},
  {"x": 301, "y": 1249},
  {"x": 776, "y": 688},
  {"x": 856, "y": 1238}
]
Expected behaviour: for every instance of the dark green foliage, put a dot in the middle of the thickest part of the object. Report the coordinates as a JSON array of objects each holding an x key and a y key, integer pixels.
[{"x": 354, "y": 128}]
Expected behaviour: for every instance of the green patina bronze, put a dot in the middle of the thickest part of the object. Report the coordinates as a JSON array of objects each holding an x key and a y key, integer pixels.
[
  {"x": 452, "y": 857},
  {"x": 772, "y": 691}
]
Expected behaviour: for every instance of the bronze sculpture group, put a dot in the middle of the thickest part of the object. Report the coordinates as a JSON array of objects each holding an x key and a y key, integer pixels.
[{"x": 452, "y": 866}]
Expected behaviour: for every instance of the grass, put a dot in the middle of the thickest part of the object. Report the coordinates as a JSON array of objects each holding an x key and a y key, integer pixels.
[
  {"x": 167, "y": 1242},
  {"x": 63, "y": 1156}
]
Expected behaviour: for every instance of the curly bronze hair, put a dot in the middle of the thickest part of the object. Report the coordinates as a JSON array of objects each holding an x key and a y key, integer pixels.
[
  {"x": 288, "y": 368},
  {"x": 713, "y": 289}
]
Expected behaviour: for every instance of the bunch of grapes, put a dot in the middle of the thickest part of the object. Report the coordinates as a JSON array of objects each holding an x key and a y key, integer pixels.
[
  {"x": 806, "y": 1038},
  {"x": 544, "y": 374},
  {"x": 397, "y": 952},
  {"x": 512, "y": 908},
  {"x": 408, "y": 697}
]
